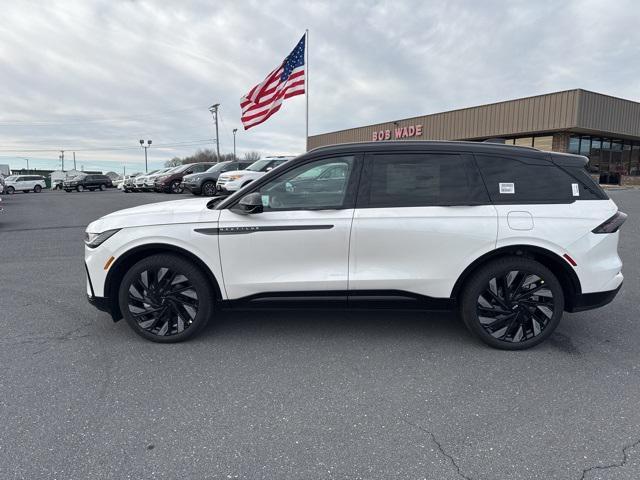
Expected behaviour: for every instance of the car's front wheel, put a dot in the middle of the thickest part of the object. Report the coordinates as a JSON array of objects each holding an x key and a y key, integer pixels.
[
  {"x": 209, "y": 189},
  {"x": 512, "y": 303},
  {"x": 103, "y": 187},
  {"x": 10, "y": 190},
  {"x": 165, "y": 298},
  {"x": 37, "y": 189}
]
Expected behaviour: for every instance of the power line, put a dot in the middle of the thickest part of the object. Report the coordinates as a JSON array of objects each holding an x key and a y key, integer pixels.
[
  {"x": 95, "y": 120},
  {"x": 185, "y": 143}
]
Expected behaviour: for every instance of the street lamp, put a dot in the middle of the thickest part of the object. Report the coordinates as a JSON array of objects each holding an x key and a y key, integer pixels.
[
  {"x": 27, "y": 162},
  {"x": 214, "y": 111},
  {"x": 146, "y": 168},
  {"x": 234, "y": 142}
]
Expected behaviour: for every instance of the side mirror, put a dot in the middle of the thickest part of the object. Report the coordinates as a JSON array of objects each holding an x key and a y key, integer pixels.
[
  {"x": 188, "y": 172},
  {"x": 249, "y": 204}
]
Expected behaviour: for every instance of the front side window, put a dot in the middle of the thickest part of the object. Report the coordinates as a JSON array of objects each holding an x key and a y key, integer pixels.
[
  {"x": 423, "y": 180},
  {"x": 306, "y": 186}
]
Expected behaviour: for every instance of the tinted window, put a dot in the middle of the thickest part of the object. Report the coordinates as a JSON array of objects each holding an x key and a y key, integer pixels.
[
  {"x": 524, "y": 180},
  {"x": 415, "y": 180},
  {"x": 305, "y": 187}
]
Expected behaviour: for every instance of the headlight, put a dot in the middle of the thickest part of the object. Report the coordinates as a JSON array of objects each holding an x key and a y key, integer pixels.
[
  {"x": 92, "y": 240},
  {"x": 233, "y": 177}
]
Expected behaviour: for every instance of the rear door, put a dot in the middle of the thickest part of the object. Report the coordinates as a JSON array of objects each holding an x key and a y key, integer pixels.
[{"x": 421, "y": 218}]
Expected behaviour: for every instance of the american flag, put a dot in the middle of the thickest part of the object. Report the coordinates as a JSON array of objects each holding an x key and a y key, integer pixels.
[{"x": 284, "y": 82}]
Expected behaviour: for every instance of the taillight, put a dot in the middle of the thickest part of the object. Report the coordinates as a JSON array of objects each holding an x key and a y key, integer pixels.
[{"x": 611, "y": 225}]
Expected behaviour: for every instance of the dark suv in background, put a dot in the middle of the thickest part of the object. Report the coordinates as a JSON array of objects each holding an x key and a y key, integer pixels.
[
  {"x": 171, "y": 182},
  {"x": 205, "y": 183},
  {"x": 87, "y": 181}
]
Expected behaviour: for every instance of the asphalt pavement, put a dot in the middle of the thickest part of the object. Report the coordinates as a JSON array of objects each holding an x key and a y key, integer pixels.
[{"x": 297, "y": 394}]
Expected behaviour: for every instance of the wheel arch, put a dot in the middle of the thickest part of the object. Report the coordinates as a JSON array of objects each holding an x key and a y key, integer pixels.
[
  {"x": 130, "y": 257},
  {"x": 561, "y": 269}
]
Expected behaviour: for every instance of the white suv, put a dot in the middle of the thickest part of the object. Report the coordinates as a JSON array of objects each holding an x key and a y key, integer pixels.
[
  {"x": 510, "y": 236},
  {"x": 24, "y": 183},
  {"x": 233, "y": 181}
]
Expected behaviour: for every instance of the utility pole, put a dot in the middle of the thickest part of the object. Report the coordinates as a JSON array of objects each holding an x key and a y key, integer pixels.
[
  {"x": 234, "y": 143},
  {"x": 146, "y": 168},
  {"x": 62, "y": 159},
  {"x": 74, "y": 160},
  {"x": 214, "y": 111}
]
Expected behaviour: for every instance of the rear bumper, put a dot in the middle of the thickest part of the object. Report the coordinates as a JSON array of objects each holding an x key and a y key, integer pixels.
[{"x": 589, "y": 301}]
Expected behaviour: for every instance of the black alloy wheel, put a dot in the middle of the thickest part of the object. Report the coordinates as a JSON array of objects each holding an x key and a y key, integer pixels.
[
  {"x": 513, "y": 303},
  {"x": 209, "y": 188},
  {"x": 37, "y": 189},
  {"x": 176, "y": 187},
  {"x": 10, "y": 190},
  {"x": 164, "y": 298}
]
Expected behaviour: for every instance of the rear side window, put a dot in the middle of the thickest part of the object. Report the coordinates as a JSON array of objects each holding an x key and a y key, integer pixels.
[
  {"x": 527, "y": 180},
  {"x": 422, "y": 180}
]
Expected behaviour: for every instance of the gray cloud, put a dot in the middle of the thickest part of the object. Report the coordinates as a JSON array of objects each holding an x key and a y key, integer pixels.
[{"x": 98, "y": 74}]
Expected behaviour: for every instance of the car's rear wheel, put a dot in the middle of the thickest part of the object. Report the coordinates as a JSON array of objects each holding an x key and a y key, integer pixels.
[
  {"x": 512, "y": 303},
  {"x": 209, "y": 189},
  {"x": 103, "y": 187},
  {"x": 165, "y": 298},
  {"x": 80, "y": 188},
  {"x": 37, "y": 189},
  {"x": 11, "y": 190},
  {"x": 176, "y": 187}
]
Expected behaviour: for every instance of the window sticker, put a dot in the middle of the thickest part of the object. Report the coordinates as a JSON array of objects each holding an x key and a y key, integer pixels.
[
  {"x": 575, "y": 189},
  {"x": 507, "y": 188}
]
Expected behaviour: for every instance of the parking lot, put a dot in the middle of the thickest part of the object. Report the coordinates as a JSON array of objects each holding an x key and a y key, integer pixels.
[{"x": 297, "y": 394}]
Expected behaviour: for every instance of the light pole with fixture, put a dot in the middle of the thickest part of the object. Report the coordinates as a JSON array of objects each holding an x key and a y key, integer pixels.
[
  {"x": 146, "y": 168},
  {"x": 27, "y": 163},
  {"x": 234, "y": 143},
  {"x": 214, "y": 111}
]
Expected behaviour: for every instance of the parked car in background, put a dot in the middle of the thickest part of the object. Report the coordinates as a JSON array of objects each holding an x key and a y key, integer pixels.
[
  {"x": 127, "y": 183},
  {"x": 511, "y": 237},
  {"x": 87, "y": 181},
  {"x": 171, "y": 182},
  {"x": 230, "y": 182},
  {"x": 24, "y": 183},
  {"x": 149, "y": 180},
  {"x": 205, "y": 183}
]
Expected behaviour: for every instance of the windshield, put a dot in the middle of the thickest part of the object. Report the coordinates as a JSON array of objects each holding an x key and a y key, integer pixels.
[
  {"x": 218, "y": 166},
  {"x": 259, "y": 165},
  {"x": 12, "y": 178}
]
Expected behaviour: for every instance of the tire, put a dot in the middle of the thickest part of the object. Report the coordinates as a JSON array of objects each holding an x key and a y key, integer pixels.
[
  {"x": 208, "y": 189},
  {"x": 11, "y": 190},
  {"x": 37, "y": 189},
  {"x": 497, "y": 308},
  {"x": 160, "y": 319},
  {"x": 175, "y": 187},
  {"x": 80, "y": 188}
]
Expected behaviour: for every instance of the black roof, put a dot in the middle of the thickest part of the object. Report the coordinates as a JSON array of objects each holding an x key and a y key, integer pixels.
[{"x": 448, "y": 145}]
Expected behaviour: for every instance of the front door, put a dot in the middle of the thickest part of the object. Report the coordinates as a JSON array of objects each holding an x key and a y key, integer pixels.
[{"x": 300, "y": 242}]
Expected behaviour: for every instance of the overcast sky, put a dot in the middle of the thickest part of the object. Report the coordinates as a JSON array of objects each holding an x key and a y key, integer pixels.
[{"x": 96, "y": 76}]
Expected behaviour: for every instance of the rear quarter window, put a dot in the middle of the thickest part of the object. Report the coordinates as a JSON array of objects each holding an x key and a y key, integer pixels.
[{"x": 513, "y": 180}]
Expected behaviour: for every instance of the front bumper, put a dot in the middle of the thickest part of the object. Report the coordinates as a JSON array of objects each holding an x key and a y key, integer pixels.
[{"x": 192, "y": 187}]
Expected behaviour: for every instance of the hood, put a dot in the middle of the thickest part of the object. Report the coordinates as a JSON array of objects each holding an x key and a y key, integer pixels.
[{"x": 192, "y": 210}]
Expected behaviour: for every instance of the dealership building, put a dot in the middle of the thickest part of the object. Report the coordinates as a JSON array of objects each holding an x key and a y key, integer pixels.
[{"x": 604, "y": 128}]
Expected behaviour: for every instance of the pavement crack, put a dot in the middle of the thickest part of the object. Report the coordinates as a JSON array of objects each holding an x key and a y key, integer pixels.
[
  {"x": 440, "y": 448},
  {"x": 625, "y": 459}
]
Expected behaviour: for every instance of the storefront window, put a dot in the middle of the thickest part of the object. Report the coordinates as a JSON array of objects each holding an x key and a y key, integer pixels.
[
  {"x": 606, "y": 144},
  {"x": 543, "y": 143},
  {"x": 574, "y": 144},
  {"x": 585, "y": 145},
  {"x": 634, "y": 168},
  {"x": 525, "y": 141},
  {"x": 596, "y": 143},
  {"x": 626, "y": 158}
]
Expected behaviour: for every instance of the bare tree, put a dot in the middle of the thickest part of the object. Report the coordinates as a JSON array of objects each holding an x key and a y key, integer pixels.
[
  {"x": 174, "y": 162},
  {"x": 252, "y": 156}
]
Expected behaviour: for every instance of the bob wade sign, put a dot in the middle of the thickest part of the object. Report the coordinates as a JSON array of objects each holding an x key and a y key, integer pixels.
[{"x": 398, "y": 133}]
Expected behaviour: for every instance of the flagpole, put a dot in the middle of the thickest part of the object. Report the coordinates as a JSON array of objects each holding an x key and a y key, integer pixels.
[{"x": 306, "y": 90}]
